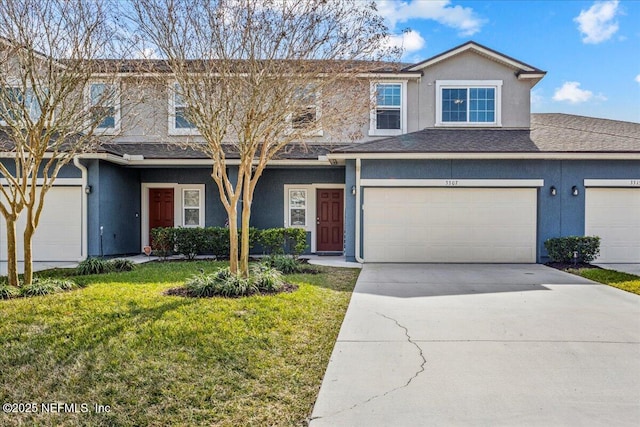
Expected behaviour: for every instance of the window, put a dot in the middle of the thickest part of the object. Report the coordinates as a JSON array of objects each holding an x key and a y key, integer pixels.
[
  {"x": 104, "y": 106},
  {"x": 191, "y": 208},
  {"x": 13, "y": 102},
  {"x": 389, "y": 115},
  {"x": 179, "y": 124},
  {"x": 297, "y": 208},
  {"x": 475, "y": 103}
]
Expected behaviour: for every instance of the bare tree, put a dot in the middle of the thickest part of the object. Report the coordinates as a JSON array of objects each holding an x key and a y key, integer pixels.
[
  {"x": 254, "y": 77},
  {"x": 47, "y": 50}
]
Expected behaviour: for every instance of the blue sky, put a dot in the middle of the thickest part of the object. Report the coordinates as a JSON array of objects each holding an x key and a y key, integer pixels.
[{"x": 590, "y": 49}]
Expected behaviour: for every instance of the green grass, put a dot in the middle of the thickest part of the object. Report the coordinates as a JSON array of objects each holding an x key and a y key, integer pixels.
[
  {"x": 164, "y": 360},
  {"x": 624, "y": 281}
]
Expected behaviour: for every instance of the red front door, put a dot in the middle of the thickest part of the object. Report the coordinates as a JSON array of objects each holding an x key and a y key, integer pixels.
[
  {"x": 330, "y": 220},
  {"x": 160, "y": 208}
]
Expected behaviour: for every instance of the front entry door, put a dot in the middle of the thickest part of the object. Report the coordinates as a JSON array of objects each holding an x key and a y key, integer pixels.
[
  {"x": 160, "y": 209},
  {"x": 330, "y": 220}
]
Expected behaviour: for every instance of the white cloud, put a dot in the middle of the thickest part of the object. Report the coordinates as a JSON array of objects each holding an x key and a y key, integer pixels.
[
  {"x": 638, "y": 78},
  {"x": 571, "y": 92},
  {"x": 464, "y": 19},
  {"x": 409, "y": 41},
  {"x": 597, "y": 23},
  {"x": 536, "y": 97}
]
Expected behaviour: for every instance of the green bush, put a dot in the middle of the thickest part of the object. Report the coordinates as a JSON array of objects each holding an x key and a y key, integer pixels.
[
  {"x": 277, "y": 241},
  {"x": 283, "y": 263},
  {"x": 561, "y": 249},
  {"x": 190, "y": 241},
  {"x": 123, "y": 264},
  {"x": 46, "y": 286},
  {"x": 94, "y": 266},
  {"x": 163, "y": 239},
  {"x": 226, "y": 284},
  {"x": 216, "y": 241},
  {"x": 7, "y": 292}
]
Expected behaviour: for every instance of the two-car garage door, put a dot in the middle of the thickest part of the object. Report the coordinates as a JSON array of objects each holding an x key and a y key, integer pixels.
[
  {"x": 450, "y": 225},
  {"x": 59, "y": 233}
]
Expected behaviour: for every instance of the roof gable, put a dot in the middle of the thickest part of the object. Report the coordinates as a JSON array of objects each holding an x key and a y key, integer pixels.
[{"x": 523, "y": 70}]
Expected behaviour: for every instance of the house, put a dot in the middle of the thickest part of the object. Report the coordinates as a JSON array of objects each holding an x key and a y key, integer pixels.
[{"x": 453, "y": 167}]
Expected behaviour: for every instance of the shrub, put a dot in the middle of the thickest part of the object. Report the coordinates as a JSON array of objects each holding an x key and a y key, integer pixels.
[
  {"x": 7, "y": 292},
  {"x": 277, "y": 241},
  {"x": 226, "y": 284},
  {"x": 561, "y": 249},
  {"x": 163, "y": 241},
  {"x": 123, "y": 264},
  {"x": 267, "y": 279},
  {"x": 216, "y": 241},
  {"x": 189, "y": 241},
  {"x": 45, "y": 286},
  {"x": 94, "y": 266},
  {"x": 283, "y": 263}
]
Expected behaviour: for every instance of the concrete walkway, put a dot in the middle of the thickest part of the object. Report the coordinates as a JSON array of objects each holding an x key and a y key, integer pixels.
[{"x": 483, "y": 345}]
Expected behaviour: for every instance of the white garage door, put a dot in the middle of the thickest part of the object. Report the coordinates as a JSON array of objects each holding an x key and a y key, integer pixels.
[
  {"x": 450, "y": 225},
  {"x": 614, "y": 215},
  {"x": 59, "y": 233}
]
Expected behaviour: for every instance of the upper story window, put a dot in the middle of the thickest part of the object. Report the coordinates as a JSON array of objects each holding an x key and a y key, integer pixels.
[
  {"x": 14, "y": 101},
  {"x": 104, "y": 105},
  {"x": 468, "y": 103},
  {"x": 307, "y": 112},
  {"x": 389, "y": 116},
  {"x": 179, "y": 124}
]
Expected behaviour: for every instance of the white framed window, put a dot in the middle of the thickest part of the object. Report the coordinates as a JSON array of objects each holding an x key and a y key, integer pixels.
[
  {"x": 15, "y": 100},
  {"x": 191, "y": 207},
  {"x": 103, "y": 101},
  {"x": 389, "y": 115},
  {"x": 307, "y": 114},
  {"x": 468, "y": 103},
  {"x": 297, "y": 207},
  {"x": 179, "y": 124}
]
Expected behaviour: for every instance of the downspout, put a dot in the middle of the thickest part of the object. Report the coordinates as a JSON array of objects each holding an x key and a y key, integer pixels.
[
  {"x": 83, "y": 170},
  {"x": 358, "y": 211}
]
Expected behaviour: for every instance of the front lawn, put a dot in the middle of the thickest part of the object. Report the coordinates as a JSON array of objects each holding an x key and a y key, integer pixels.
[
  {"x": 169, "y": 360},
  {"x": 624, "y": 281}
]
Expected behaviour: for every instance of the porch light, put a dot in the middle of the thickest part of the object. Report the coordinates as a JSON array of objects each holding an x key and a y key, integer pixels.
[
  {"x": 353, "y": 190},
  {"x": 87, "y": 189},
  {"x": 553, "y": 191},
  {"x": 574, "y": 191}
]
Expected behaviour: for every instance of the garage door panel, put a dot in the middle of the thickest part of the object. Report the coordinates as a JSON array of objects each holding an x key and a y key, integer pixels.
[
  {"x": 58, "y": 236},
  {"x": 613, "y": 214},
  {"x": 450, "y": 225}
]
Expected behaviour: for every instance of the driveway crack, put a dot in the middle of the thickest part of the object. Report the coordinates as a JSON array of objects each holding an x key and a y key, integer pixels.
[{"x": 420, "y": 370}]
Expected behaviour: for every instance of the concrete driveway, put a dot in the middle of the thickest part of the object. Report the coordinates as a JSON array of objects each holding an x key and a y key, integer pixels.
[{"x": 483, "y": 345}]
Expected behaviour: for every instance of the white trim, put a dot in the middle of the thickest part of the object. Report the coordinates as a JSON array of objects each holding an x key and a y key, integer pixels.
[
  {"x": 171, "y": 113},
  {"x": 484, "y": 183},
  {"x": 468, "y": 84},
  {"x": 530, "y": 76},
  {"x": 472, "y": 46},
  {"x": 359, "y": 208},
  {"x": 85, "y": 214},
  {"x": 619, "y": 183},
  {"x": 306, "y": 206},
  {"x": 177, "y": 206},
  {"x": 403, "y": 109},
  {"x": 311, "y": 206},
  {"x": 482, "y": 156},
  {"x": 117, "y": 117},
  {"x": 200, "y": 207}
]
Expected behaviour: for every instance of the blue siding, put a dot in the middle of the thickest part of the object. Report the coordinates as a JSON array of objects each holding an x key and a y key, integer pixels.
[
  {"x": 562, "y": 215},
  {"x": 67, "y": 171}
]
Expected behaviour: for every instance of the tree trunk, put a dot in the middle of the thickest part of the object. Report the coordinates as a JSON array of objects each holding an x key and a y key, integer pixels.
[
  {"x": 244, "y": 248},
  {"x": 27, "y": 278},
  {"x": 233, "y": 238},
  {"x": 12, "y": 253}
]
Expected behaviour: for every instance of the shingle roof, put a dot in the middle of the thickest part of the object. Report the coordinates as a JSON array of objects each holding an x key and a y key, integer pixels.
[
  {"x": 549, "y": 133},
  {"x": 174, "y": 151}
]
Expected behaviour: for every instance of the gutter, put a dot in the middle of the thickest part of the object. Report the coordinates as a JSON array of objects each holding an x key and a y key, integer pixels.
[
  {"x": 335, "y": 157},
  {"x": 358, "y": 212},
  {"x": 85, "y": 196}
]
